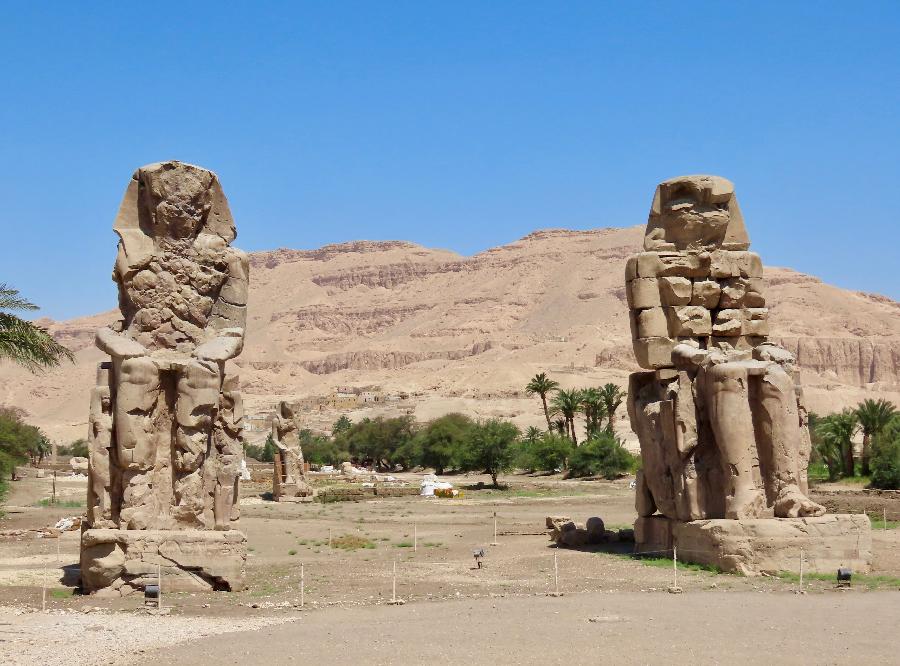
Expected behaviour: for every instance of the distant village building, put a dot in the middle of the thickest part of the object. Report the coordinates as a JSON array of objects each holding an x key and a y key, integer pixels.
[
  {"x": 369, "y": 397},
  {"x": 258, "y": 422},
  {"x": 340, "y": 400}
]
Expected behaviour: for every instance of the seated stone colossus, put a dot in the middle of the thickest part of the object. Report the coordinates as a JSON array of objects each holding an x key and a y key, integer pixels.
[
  {"x": 288, "y": 478},
  {"x": 719, "y": 413},
  {"x": 165, "y": 422}
]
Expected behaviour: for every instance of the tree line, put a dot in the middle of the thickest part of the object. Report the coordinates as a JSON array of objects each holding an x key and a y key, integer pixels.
[{"x": 878, "y": 421}]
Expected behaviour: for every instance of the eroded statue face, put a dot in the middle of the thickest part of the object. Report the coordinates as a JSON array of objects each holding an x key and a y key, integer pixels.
[
  {"x": 178, "y": 201},
  {"x": 692, "y": 217}
]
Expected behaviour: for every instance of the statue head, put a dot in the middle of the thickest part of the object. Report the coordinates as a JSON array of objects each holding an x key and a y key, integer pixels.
[
  {"x": 176, "y": 197},
  {"x": 695, "y": 213}
]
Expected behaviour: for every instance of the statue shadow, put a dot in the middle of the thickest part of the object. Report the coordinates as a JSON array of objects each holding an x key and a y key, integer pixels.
[{"x": 71, "y": 576}]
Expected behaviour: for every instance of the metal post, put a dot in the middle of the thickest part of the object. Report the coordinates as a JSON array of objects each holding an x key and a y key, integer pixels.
[
  {"x": 415, "y": 537},
  {"x": 58, "y": 558},
  {"x": 556, "y": 573},
  {"x": 884, "y": 518},
  {"x": 44, "y": 598},
  {"x": 494, "y": 542},
  {"x": 159, "y": 603},
  {"x": 394, "y": 590},
  {"x": 302, "y": 587},
  {"x": 675, "y": 565},
  {"x": 329, "y": 538},
  {"x": 53, "y": 499},
  {"x": 801, "y": 570}
]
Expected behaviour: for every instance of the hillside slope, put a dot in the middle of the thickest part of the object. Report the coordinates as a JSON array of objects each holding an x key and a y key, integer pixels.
[{"x": 466, "y": 333}]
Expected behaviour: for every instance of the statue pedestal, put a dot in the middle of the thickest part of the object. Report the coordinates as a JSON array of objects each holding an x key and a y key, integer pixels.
[
  {"x": 118, "y": 562},
  {"x": 761, "y": 545}
]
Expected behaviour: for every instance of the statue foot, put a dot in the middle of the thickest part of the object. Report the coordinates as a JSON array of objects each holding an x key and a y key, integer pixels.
[
  {"x": 748, "y": 503},
  {"x": 791, "y": 503}
]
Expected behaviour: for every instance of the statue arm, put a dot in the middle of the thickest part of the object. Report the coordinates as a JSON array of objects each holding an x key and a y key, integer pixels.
[{"x": 117, "y": 345}]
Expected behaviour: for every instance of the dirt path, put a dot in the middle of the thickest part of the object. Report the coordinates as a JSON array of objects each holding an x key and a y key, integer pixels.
[{"x": 693, "y": 628}]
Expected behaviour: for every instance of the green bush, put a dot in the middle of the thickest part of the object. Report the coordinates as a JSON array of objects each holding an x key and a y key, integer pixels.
[
  {"x": 603, "y": 455},
  {"x": 77, "y": 448},
  {"x": 490, "y": 448},
  {"x": 548, "y": 453},
  {"x": 441, "y": 443},
  {"x": 886, "y": 458}
]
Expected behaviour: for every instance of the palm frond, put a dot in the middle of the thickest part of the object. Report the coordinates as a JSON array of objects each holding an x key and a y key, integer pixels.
[
  {"x": 28, "y": 345},
  {"x": 11, "y": 300}
]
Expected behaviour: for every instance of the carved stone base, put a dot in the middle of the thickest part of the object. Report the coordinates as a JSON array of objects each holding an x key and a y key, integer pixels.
[
  {"x": 118, "y": 562},
  {"x": 761, "y": 545}
]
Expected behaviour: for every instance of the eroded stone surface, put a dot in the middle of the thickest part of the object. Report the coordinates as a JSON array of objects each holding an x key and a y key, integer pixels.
[
  {"x": 165, "y": 424},
  {"x": 720, "y": 417},
  {"x": 288, "y": 479}
]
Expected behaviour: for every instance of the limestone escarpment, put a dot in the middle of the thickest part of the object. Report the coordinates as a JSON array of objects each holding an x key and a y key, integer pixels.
[{"x": 551, "y": 301}]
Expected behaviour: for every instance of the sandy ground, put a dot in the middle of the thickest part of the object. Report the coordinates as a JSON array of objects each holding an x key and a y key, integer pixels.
[{"x": 502, "y": 609}]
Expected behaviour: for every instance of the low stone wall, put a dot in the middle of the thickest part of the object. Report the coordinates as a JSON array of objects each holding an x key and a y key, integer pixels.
[{"x": 355, "y": 494}]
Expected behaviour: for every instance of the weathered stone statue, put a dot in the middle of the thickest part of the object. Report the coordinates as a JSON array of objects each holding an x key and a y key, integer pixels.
[
  {"x": 165, "y": 423},
  {"x": 720, "y": 415},
  {"x": 289, "y": 480}
]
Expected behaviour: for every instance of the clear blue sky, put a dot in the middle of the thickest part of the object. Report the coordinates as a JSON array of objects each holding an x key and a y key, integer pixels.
[{"x": 460, "y": 125}]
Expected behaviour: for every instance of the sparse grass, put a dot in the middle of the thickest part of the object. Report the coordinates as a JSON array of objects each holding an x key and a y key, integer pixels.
[
  {"x": 878, "y": 522},
  {"x": 61, "y": 593},
  {"x": 64, "y": 504},
  {"x": 868, "y": 581},
  {"x": 432, "y": 544},
  {"x": 351, "y": 542},
  {"x": 292, "y": 552},
  {"x": 403, "y": 544},
  {"x": 525, "y": 492},
  {"x": 666, "y": 562}
]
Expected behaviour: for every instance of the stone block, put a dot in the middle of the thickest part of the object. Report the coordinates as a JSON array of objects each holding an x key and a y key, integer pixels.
[
  {"x": 647, "y": 264},
  {"x": 755, "y": 293},
  {"x": 675, "y": 290},
  {"x": 684, "y": 264},
  {"x": 688, "y": 321},
  {"x": 652, "y": 353},
  {"x": 642, "y": 293},
  {"x": 756, "y": 321},
  {"x": 771, "y": 545},
  {"x": 651, "y": 323},
  {"x": 727, "y": 264},
  {"x": 728, "y": 323},
  {"x": 706, "y": 293},
  {"x": 653, "y": 534},
  {"x": 190, "y": 560},
  {"x": 733, "y": 292}
]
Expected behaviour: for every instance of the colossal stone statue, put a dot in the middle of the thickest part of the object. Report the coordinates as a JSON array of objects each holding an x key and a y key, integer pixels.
[
  {"x": 289, "y": 480},
  {"x": 165, "y": 421},
  {"x": 720, "y": 414}
]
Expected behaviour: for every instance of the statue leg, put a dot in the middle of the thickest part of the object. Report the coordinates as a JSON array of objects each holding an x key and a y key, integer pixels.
[
  {"x": 727, "y": 399},
  {"x": 781, "y": 434},
  {"x": 195, "y": 410},
  {"x": 136, "y": 404}
]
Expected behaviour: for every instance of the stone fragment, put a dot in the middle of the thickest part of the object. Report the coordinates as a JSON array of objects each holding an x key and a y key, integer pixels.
[
  {"x": 642, "y": 293},
  {"x": 647, "y": 264},
  {"x": 596, "y": 532},
  {"x": 706, "y": 293},
  {"x": 675, "y": 290},
  {"x": 688, "y": 321}
]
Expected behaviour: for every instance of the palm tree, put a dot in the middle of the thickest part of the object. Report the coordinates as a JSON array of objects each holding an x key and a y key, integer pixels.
[
  {"x": 21, "y": 341},
  {"x": 592, "y": 406},
  {"x": 561, "y": 426},
  {"x": 532, "y": 435},
  {"x": 611, "y": 396},
  {"x": 568, "y": 403},
  {"x": 836, "y": 432},
  {"x": 541, "y": 385},
  {"x": 873, "y": 416}
]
